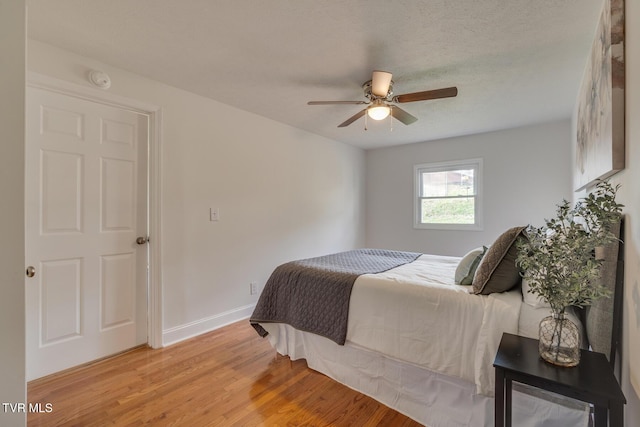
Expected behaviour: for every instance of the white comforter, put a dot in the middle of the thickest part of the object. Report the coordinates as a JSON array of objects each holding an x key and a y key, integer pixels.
[{"x": 415, "y": 313}]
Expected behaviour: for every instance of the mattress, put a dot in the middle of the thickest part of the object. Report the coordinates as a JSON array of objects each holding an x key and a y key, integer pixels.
[{"x": 415, "y": 313}]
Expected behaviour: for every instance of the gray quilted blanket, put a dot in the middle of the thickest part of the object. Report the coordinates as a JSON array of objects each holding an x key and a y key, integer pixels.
[{"x": 313, "y": 294}]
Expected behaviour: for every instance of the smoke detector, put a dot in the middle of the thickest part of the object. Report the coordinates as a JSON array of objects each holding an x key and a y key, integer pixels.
[{"x": 99, "y": 79}]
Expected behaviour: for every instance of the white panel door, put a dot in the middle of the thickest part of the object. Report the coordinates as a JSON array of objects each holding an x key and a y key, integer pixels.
[{"x": 86, "y": 204}]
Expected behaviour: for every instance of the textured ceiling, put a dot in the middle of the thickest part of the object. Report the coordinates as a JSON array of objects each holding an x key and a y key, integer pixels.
[{"x": 515, "y": 62}]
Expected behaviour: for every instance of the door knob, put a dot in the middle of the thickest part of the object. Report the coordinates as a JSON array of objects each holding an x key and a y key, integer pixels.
[
  {"x": 31, "y": 271},
  {"x": 142, "y": 240}
]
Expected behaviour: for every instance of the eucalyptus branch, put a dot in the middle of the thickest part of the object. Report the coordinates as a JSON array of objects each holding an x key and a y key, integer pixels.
[{"x": 559, "y": 259}]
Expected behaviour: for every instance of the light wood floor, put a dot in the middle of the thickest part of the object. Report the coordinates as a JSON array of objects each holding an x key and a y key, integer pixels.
[{"x": 228, "y": 377}]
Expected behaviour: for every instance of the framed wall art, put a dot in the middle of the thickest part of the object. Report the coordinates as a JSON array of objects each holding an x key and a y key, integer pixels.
[{"x": 600, "y": 141}]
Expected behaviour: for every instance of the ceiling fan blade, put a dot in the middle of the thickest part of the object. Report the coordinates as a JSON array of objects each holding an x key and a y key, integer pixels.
[
  {"x": 353, "y": 118},
  {"x": 448, "y": 92},
  {"x": 380, "y": 82},
  {"x": 402, "y": 116},
  {"x": 335, "y": 102}
]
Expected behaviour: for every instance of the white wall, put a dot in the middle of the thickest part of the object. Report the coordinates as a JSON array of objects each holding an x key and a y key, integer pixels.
[
  {"x": 630, "y": 196},
  {"x": 12, "y": 333},
  {"x": 525, "y": 176},
  {"x": 282, "y": 194},
  {"x": 629, "y": 179}
]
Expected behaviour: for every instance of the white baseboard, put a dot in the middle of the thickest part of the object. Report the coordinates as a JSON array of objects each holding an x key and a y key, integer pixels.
[{"x": 189, "y": 330}]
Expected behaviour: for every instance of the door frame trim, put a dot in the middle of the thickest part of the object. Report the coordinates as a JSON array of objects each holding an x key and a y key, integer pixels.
[{"x": 154, "y": 175}]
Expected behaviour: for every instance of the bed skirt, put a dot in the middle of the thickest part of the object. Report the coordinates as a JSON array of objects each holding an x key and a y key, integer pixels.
[{"x": 427, "y": 397}]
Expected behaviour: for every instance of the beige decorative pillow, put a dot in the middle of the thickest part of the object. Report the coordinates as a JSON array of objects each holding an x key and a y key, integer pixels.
[
  {"x": 467, "y": 266},
  {"x": 497, "y": 271}
]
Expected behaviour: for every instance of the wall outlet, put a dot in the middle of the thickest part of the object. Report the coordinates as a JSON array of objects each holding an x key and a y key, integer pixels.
[{"x": 253, "y": 288}]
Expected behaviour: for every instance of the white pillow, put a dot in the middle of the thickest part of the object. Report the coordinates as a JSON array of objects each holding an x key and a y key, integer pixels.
[
  {"x": 534, "y": 300},
  {"x": 467, "y": 266}
]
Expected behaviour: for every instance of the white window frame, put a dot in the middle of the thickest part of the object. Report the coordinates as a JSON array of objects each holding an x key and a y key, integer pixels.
[{"x": 418, "y": 170}]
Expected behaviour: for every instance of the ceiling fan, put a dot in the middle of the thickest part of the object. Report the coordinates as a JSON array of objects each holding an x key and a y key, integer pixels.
[{"x": 380, "y": 99}]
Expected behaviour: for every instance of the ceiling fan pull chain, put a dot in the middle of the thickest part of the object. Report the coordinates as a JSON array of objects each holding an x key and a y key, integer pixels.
[
  {"x": 391, "y": 119},
  {"x": 365, "y": 122}
]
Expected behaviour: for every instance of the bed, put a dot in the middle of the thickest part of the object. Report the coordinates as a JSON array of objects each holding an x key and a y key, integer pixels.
[{"x": 415, "y": 335}]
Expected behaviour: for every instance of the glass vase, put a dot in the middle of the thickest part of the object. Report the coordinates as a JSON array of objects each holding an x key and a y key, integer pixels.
[{"x": 559, "y": 340}]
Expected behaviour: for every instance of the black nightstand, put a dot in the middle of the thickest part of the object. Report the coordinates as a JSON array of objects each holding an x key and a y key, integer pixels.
[{"x": 592, "y": 381}]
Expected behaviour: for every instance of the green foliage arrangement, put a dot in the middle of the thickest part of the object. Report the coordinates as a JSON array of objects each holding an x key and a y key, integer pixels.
[{"x": 559, "y": 258}]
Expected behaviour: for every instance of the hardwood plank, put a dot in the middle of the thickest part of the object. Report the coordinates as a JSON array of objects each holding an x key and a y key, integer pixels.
[{"x": 227, "y": 377}]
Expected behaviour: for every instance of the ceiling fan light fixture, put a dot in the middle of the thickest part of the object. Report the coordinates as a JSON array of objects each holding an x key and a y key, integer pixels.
[
  {"x": 380, "y": 100},
  {"x": 378, "y": 110}
]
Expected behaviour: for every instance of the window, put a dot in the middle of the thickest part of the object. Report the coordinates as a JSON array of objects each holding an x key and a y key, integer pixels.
[{"x": 449, "y": 195}]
